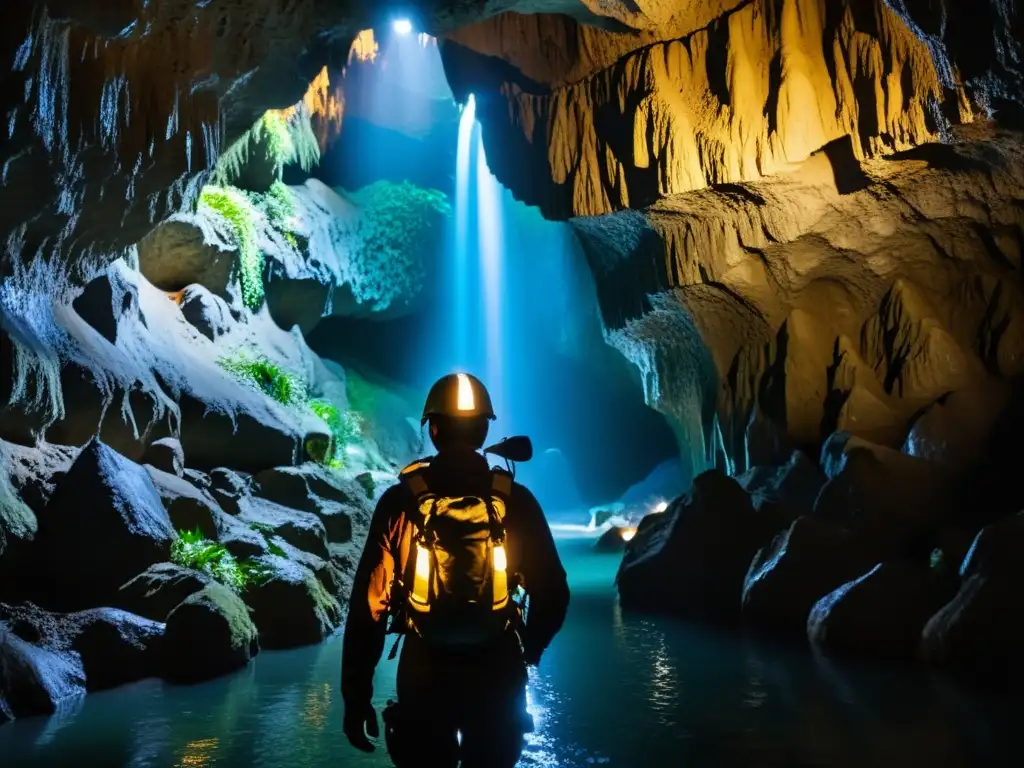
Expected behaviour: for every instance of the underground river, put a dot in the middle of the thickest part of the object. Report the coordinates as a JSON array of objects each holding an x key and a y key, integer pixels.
[{"x": 612, "y": 690}]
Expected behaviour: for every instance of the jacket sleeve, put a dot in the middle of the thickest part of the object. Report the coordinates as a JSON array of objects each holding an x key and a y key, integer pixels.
[
  {"x": 366, "y": 626},
  {"x": 542, "y": 571}
]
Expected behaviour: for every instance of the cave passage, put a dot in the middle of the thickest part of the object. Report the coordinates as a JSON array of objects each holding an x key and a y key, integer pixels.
[{"x": 614, "y": 689}]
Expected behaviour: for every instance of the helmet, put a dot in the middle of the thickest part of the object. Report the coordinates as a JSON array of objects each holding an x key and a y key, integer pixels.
[{"x": 458, "y": 394}]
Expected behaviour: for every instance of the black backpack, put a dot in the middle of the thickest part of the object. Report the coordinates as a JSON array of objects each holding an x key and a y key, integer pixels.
[{"x": 454, "y": 589}]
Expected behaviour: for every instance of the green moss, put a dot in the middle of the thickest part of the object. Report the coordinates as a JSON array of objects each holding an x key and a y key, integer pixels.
[
  {"x": 345, "y": 429},
  {"x": 390, "y": 233},
  {"x": 273, "y": 131},
  {"x": 226, "y": 603},
  {"x": 368, "y": 484},
  {"x": 267, "y": 376},
  {"x": 235, "y": 210},
  {"x": 193, "y": 550}
]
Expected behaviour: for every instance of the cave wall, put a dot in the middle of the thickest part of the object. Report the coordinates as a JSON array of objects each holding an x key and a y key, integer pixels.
[{"x": 758, "y": 87}]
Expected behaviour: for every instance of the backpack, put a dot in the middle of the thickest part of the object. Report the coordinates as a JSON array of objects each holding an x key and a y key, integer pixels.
[{"x": 454, "y": 589}]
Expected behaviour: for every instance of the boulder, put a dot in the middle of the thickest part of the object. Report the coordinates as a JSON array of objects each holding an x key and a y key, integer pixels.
[
  {"x": 691, "y": 559},
  {"x": 166, "y": 455},
  {"x": 300, "y": 529},
  {"x": 192, "y": 509},
  {"x": 105, "y": 300},
  {"x": 244, "y": 428},
  {"x": 795, "y": 484},
  {"x": 18, "y": 524},
  {"x": 159, "y": 590},
  {"x": 228, "y": 487},
  {"x": 956, "y": 430},
  {"x": 207, "y": 635},
  {"x": 207, "y": 313},
  {"x": 113, "y": 647},
  {"x": 179, "y": 253},
  {"x": 104, "y": 524},
  {"x": 327, "y": 572},
  {"x": 979, "y": 634},
  {"x": 798, "y": 568},
  {"x": 881, "y": 614},
  {"x": 613, "y": 540},
  {"x": 890, "y": 498},
  {"x": 34, "y": 680},
  {"x": 292, "y": 607}
]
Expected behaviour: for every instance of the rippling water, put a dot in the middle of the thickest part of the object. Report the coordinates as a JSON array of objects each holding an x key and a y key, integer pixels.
[{"x": 612, "y": 690}]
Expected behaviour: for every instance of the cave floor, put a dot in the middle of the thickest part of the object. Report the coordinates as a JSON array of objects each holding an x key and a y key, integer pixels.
[{"x": 613, "y": 689}]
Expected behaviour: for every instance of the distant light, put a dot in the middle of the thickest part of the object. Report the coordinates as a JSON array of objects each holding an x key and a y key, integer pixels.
[
  {"x": 402, "y": 26},
  {"x": 467, "y": 402},
  {"x": 627, "y": 533},
  {"x": 660, "y": 506}
]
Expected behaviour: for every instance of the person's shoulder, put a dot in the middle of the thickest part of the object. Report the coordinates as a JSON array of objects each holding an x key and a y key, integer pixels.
[{"x": 523, "y": 496}]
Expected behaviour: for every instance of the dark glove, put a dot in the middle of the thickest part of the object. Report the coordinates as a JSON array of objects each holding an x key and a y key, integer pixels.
[{"x": 359, "y": 723}]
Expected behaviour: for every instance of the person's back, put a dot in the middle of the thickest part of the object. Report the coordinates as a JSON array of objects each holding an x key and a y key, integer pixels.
[{"x": 474, "y": 688}]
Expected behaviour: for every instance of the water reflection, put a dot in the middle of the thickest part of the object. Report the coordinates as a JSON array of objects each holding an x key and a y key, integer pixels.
[{"x": 613, "y": 689}]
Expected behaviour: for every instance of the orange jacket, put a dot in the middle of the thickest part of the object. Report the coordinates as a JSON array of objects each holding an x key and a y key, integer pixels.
[{"x": 530, "y": 550}]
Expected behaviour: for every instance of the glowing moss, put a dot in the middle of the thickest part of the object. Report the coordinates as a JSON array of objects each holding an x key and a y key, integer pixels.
[
  {"x": 192, "y": 550},
  {"x": 345, "y": 429},
  {"x": 234, "y": 209},
  {"x": 267, "y": 376}
]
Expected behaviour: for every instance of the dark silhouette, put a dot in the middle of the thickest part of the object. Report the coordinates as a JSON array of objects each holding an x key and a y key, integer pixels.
[{"x": 467, "y": 638}]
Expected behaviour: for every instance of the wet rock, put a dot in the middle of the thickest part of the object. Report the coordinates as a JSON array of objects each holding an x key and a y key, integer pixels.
[
  {"x": 978, "y": 634},
  {"x": 881, "y": 614},
  {"x": 292, "y": 607},
  {"x": 228, "y": 487},
  {"x": 104, "y": 524},
  {"x": 798, "y": 568},
  {"x": 18, "y": 523},
  {"x": 795, "y": 484},
  {"x": 166, "y": 455},
  {"x": 158, "y": 590},
  {"x": 33, "y": 680},
  {"x": 191, "y": 509},
  {"x": 244, "y": 429},
  {"x": 209, "y": 634},
  {"x": 334, "y": 579},
  {"x": 207, "y": 313},
  {"x": 888, "y": 497},
  {"x": 691, "y": 559},
  {"x": 113, "y": 646},
  {"x": 300, "y": 529}
]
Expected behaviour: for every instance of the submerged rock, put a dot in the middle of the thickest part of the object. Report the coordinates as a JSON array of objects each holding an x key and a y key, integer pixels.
[
  {"x": 208, "y": 634},
  {"x": 104, "y": 524},
  {"x": 798, "y": 568},
  {"x": 881, "y": 614},
  {"x": 292, "y": 607},
  {"x": 691, "y": 559},
  {"x": 979, "y": 634},
  {"x": 33, "y": 680},
  {"x": 107, "y": 646},
  {"x": 158, "y": 590}
]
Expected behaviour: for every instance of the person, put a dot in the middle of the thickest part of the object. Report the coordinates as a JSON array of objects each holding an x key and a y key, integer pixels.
[{"x": 462, "y": 673}]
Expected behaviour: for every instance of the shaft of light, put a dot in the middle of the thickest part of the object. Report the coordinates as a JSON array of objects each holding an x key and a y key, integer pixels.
[
  {"x": 491, "y": 257},
  {"x": 461, "y": 246}
]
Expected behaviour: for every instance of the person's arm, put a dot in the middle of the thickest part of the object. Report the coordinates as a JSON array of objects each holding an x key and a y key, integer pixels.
[
  {"x": 543, "y": 574},
  {"x": 366, "y": 626}
]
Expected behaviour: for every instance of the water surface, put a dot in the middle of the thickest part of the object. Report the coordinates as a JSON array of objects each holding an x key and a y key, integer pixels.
[{"x": 613, "y": 690}]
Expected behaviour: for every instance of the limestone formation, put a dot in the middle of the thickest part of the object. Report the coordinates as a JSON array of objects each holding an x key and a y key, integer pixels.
[{"x": 818, "y": 307}]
